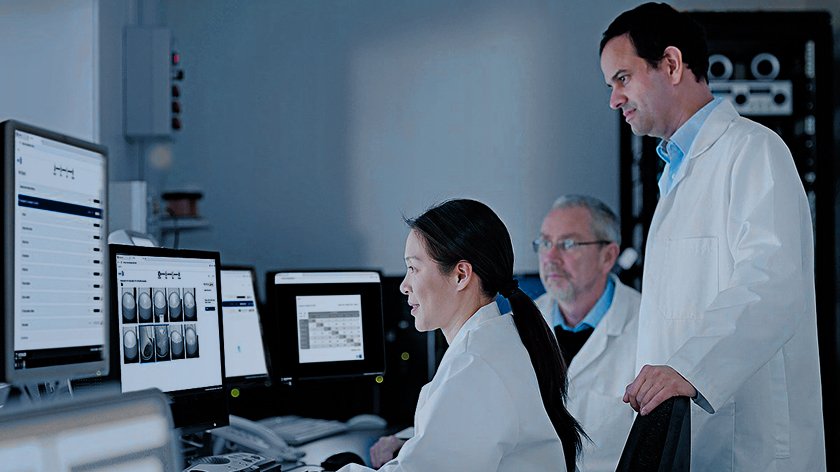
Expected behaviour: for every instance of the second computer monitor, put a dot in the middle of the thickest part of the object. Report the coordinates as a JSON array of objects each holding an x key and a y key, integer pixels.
[
  {"x": 328, "y": 324},
  {"x": 166, "y": 330},
  {"x": 245, "y": 359}
]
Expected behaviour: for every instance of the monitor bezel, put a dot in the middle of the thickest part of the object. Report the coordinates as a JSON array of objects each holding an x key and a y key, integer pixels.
[
  {"x": 194, "y": 409},
  {"x": 244, "y": 380},
  {"x": 287, "y": 366},
  {"x": 8, "y": 373}
]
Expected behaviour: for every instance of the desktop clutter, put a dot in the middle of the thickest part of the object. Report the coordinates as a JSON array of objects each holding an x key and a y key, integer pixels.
[{"x": 161, "y": 349}]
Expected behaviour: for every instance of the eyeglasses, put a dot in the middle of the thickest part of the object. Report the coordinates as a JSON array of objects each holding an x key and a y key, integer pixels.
[{"x": 545, "y": 245}]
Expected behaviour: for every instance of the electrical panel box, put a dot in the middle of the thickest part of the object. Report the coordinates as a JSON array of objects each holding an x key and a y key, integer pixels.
[{"x": 148, "y": 108}]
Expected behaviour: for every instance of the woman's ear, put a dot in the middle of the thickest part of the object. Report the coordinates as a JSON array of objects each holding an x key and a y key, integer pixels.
[{"x": 463, "y": 275}]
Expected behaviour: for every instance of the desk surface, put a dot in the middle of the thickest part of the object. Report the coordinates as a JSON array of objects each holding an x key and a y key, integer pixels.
[{"x": 358, "y": 442}]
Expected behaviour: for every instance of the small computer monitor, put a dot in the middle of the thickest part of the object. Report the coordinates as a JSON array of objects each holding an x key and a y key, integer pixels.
[
  {"x": 116, "y": 433},
  {"x": 55, "y": 269},
  {"x": 245, "y": 358},
  {"x": 329, "y": 324},
  {"x": 167, "y": 332}
]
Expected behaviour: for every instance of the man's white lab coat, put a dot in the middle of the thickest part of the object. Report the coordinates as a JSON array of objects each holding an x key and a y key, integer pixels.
[
  {"x": 598, "y": 376},
  {"x": 728, "y": 300}
]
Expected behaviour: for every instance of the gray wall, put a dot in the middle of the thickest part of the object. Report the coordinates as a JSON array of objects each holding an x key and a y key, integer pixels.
[
  {"x": 50, "y": 64},
  {"x": 313, "y": 126},
  {"x": 63, "y": 70},
  {"x": 124, "y": 156}
]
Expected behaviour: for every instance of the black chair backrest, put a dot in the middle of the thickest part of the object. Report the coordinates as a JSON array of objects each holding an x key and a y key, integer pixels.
[{"x": 661, "y": 440}]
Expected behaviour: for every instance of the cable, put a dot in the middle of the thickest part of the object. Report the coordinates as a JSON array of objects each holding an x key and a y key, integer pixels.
[
  {"x": 175, "y": 229},
  {"x": 304, "y": 465}
]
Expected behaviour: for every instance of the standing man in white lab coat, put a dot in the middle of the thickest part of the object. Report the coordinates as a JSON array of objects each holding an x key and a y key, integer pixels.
[
  {"x": 728, "y": 313},
  {"x": 595, "y": 319}
]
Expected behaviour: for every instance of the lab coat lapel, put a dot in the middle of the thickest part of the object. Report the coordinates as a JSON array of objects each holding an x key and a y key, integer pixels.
[
  {"x": 716, "y": 124},
  {"x": 612, "y": 324},
  {"x": 712, "y": 130},
  {"x": 486, "y": 312},
  {"x": 590, "y": 351}
]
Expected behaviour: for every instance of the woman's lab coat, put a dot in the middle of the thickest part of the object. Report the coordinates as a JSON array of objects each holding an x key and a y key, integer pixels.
[
  {"x": 728, "y": 300},
  {"x": 482, "y": 411},
  {"x": 598, "y": 376}
]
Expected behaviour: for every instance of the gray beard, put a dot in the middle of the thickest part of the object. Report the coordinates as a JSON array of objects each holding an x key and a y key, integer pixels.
[{"x": 565, "y": 295}]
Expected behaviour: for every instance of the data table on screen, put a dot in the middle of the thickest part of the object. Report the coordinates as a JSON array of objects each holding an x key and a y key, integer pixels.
[
  {"x": 60, "y": 240},
  {"x": 330, "y": 328}
]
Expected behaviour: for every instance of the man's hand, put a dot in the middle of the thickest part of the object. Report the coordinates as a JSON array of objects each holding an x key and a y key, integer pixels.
[
  {"x": 384, "y": 450},
  {"x": 654, "y": 385}
]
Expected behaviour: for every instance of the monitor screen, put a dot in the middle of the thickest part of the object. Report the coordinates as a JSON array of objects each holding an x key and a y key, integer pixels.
[
  {"x": 130, "y": 432},
  {"x": 55, "y": 266},
  {"x": 244, "y": 354},
  {"x": 167, "y": 329},
  {"x": 329, "y": 324}
]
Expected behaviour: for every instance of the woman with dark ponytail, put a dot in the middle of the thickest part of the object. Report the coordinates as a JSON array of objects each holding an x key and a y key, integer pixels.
[{"x": 496, "y": 402}]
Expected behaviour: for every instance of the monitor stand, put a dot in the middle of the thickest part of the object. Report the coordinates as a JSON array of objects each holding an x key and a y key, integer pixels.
[
  {"x": 5, "y": 389},
  {"x": 41, "y": 392}
]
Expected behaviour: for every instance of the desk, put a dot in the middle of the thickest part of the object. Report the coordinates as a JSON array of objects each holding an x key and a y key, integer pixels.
[{"x": 351, "y": 441}]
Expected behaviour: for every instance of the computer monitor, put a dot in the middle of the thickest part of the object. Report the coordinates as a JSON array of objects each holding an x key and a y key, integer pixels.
[
  {"x": 329, "y": 324},
  {"x": 115, "y": 433},
  {"x": 55, "y": 270},
  {"x": 245, "y": 359},
  {"x": 167, "y": 330}
]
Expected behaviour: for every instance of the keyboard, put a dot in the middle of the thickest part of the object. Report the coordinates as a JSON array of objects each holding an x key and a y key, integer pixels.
[{"x": 297, "y": 430}]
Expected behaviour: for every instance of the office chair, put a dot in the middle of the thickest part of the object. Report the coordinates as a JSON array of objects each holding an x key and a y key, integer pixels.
[{"x": 661, "y": 440}]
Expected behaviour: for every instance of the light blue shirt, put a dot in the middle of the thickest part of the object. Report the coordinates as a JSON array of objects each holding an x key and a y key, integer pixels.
[
  {"x": 595, "y": 314},
  {"x": 673, "y": 150}
]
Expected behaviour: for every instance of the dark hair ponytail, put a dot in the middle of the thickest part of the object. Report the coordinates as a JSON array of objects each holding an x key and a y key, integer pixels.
[
  {"x": 468, "y": 230},
  {"x": 551, "y": 371}
]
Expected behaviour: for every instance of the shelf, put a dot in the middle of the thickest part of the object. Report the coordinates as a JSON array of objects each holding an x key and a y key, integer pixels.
[{"x": 168, "y": 225}]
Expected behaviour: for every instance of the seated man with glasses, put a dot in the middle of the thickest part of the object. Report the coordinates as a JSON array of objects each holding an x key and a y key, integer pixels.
[{"x": 594, "y": 317}]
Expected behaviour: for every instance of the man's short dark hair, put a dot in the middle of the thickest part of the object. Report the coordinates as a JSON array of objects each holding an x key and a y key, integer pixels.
[{"x": 654, "y": 26}]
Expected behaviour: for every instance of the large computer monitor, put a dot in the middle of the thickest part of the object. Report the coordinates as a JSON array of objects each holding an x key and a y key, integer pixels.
[
  {"x": 131, "y": 432},
  {"x": 55, "y": 270},
  {"x": 245, "y": 358},
  {"x": 329, "y": 324},
  {"x": 166, "y": 330}
]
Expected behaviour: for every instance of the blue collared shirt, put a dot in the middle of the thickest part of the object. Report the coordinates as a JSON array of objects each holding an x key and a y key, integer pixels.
[
  {"x": 673, "y": 150},
  {"x": 595, "y": 314}
]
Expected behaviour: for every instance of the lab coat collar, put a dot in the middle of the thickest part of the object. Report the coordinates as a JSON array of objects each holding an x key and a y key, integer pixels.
[
  {"x": 488, "y": 311},
  {"x": 718, "y": 121},
  {"x": 715, "y": 125},
  {"x": 612, "y": 324},
  {"x": 615, "y": 320}
]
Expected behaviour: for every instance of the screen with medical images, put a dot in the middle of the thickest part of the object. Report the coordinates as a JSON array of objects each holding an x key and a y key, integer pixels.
[{"x": 168, "y": 322}]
